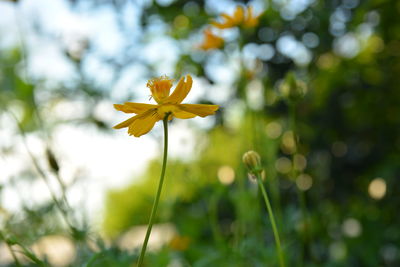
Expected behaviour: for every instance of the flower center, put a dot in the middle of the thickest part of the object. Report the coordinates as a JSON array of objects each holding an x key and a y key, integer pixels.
[
  {"x": 166, "y": 108},
  {"x": 160, "y": 88}
]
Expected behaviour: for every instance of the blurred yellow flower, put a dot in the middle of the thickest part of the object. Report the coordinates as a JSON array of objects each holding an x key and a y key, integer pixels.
[
  {"x": 211, "y": 41},
  {"x": 179, "y": 243},
  {"x": 239, "y": 17},
  {"x": 148, "y": 114},
  {"x": 251, "y": 21}
]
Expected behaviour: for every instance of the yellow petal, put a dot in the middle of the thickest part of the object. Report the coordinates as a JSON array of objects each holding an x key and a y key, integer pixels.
[
  {"x": 137, "y": 108},
  {"x": 125, "y": 123},
  {"x": 160, "y": 88},
  {"x": 251, "y": 21},
  {"x": 180, "y": 114},
  {"x": 226, "y": 17},
  {"x": 249, "y": 12},
  {"x": 228, "y": 23},
  {"x": 199, "y": 109},
  {"x": 239, "y": 14},
  {"x": 134, "y": 118},
  {"x": 219, "y": 25},
  {"x": 143, "y": 125},
  {"x": 211, "y": 41},
  {"x": 181, "y": 90}
]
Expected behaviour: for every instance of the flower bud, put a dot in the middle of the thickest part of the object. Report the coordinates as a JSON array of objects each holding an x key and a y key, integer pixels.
[
  {"x": 51, "y": 159},
  {"x": 252, "y": 161},
  {"x": 292, "y": 89}
]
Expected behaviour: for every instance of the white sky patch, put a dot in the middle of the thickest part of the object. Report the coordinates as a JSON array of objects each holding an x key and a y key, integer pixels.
[
  {"x": 131, "y": 15},
  {"x": 99, "y": 73},
  {"x": 66, "y": 110},
  {"x": 128, "y": 84},
  {"x": 13, "y": 167},
  {"x": 221, "y": 71},
  {"x": 228, "y": 6},
  {"x": 55, "y": 65},
  {"x": 8, "y": 37},
  {"x": 163, "y": 53},
  {"x": 111, "y": 159},
  {"x": 347, "y": 45},
  {"x": 219, "y": 93},
  {"x": 107, "y": 38},
  {"x": 290, "y": 47},
  {"x": 291, "y": 8},
  {"x": 107, "y": 161},
  {"x": 103, "y": 161},
  {"x": 198, "y": 91},
  {"x": 182, "y": 141},
  {"x": 234, "y": 113}
]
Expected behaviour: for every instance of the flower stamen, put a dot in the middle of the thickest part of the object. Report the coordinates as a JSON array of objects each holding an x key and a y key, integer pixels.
[{"x": 160, "y": 87}]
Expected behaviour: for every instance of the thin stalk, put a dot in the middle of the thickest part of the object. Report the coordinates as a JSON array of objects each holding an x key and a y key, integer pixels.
[
  {"x": 300, "y": 193},
  {"x": 16, "y": 261},
  {"x": 3, "y": 238},
  {"x": 240, "y": 223},
  {"x": 273, "y": 223},
  {"x": 157, "y": 199},
  {"x": 41, "y": 172},
  {"x": 21, "y": 35},
  {"x": 213, "y": 212},
  {"x": 94, "y": 258},
  {"x": 25, "y": 251}
]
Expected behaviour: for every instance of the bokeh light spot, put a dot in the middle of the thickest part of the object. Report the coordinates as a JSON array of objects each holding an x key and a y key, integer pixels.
[
  {"x": 390, "y": 252},
  {"x": 338, "y": 251},
  {"x": 304, "y": 182},
  {"x": 288, "y": 144},
  {"x": 283, "y": 165},
  {"x": 226, "y": 175},
  {"x": 58, "y": 250},
  {"x": 347, "y": 46},
  {"x": 254, "y": 94},
  {"x": 327, "y": 61},
  {"x": 299, "y": 162},
  {"x": 377, "y": 188},
  {"x": 351, "y": 227},
  {"x": 273, "y": 129},
  {"x": 181, "y": 21},
  {"x": 266, "y": 52},
  {"x": 310, "y": 40}
]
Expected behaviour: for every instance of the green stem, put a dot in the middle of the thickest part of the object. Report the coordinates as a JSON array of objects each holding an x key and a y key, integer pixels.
[
  {"x": 240, "y": 210},
  {"x": 213, "y": 212},
  {"x": 156, "y": 201},
  {"x": 16, "y": 261},
  {"x": 21, "y": 35},
  {"x": 300, "y": 193},
  {"x": 41, "y": 172},
  {"x": 273, "y": 223}
]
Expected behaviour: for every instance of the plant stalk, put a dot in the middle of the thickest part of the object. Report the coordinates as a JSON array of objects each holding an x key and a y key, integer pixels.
[
  {"x": 300, "y": 193},
  {"x": 157, "y": 199},
  {"x": 273, "y": 223}
]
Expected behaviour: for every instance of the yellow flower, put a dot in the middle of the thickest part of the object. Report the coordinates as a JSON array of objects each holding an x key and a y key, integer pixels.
[
  {"x": 250, "y": 21},
  {"x": 239, "y": 17},
  {"x": 211, "y": 41},
  {"x": 148, "y": 114},
  {"x": 179, "y": 243}
]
